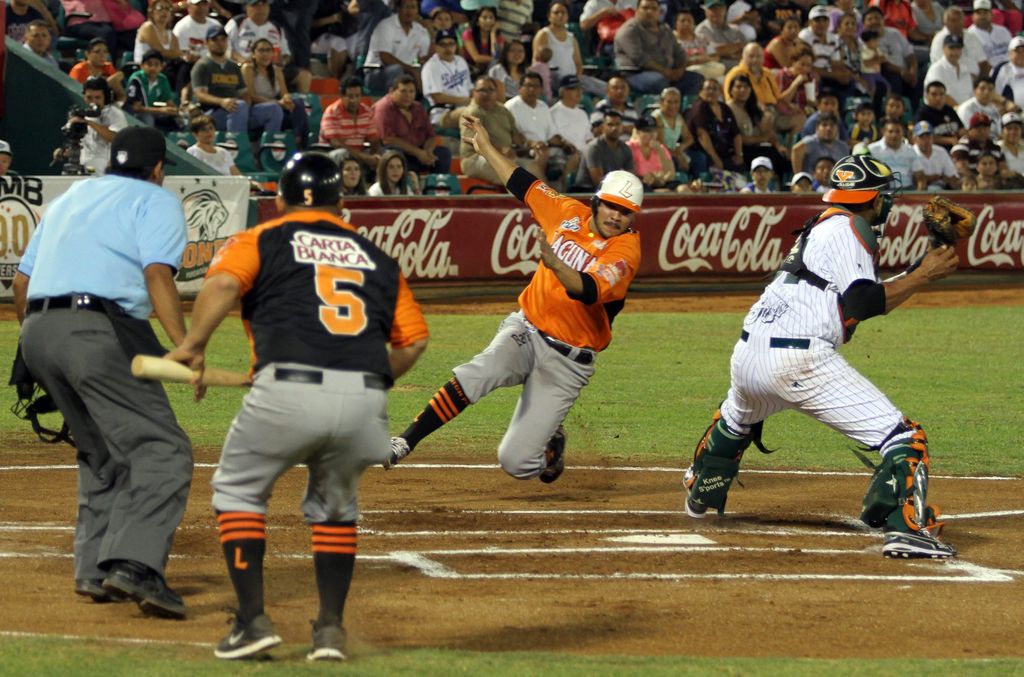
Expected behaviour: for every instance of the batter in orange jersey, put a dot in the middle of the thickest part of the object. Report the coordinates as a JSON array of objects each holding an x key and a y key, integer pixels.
[{"x": 588, "y": 257}]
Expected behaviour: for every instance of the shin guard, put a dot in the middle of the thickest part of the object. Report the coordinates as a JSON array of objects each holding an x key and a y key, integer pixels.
[{"x": 716, "y": 462}]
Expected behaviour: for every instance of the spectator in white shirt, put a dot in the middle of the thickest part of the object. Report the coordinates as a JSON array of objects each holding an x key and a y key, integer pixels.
[
  {"x": 571, "y": 122},
  {"x": 446, "y": 79},
  {"x": 994, "y": 38},
  {"x": 952, "y": 72},
  {"x": 399, "y": 44},
  {"x": 191, "y": 30},
  {"x": 893, "y": 150},
  {"x": 983, "y": 101},
  {"x": 974, "y": 52},
  {"x": 937, "y": 169},
  {"x": 1010, "y": 78},
  {"x": 533, "y": 119},
  {"x": 1010, "y": 144}
]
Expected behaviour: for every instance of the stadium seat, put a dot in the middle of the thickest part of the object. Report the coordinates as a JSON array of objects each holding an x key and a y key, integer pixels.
[
  {"x": 65, "y": 43},
  {"x": 314, "y": 111},
  {"x": 182, "y": 139},
  {"x": 324, "y": 86},
  {"x": 237, "y": 143},
  {"x": 441, "y": 184},
  {"x": 275, "y": 150},
  {"x": 642, "y": 102}
]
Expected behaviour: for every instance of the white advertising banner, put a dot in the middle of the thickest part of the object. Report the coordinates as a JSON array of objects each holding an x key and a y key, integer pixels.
[{"x": 215, "y": 208}]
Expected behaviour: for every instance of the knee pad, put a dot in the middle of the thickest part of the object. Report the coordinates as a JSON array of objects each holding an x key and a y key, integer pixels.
[
  {"x": 716, "y": 462},
  {"x": 897, "y": 495}
]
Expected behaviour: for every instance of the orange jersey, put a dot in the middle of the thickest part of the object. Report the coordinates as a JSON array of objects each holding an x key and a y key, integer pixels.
[
  {"x": 612, "y": 264},
  {"x": 316, "y": 292}
]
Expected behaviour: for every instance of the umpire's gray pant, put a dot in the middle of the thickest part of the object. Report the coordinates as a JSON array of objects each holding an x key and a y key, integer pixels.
[{"x": 134, "y": 461}]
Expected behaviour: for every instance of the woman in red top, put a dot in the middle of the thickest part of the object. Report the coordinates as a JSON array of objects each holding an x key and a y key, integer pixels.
[
  {"x": 482, "y": 41},
  {"x": 97, "y": 64},
  {"x": 778, "y": 53}
]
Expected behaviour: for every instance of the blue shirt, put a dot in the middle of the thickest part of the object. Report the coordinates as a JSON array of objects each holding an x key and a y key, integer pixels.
[{"x": 99, "y": 236}]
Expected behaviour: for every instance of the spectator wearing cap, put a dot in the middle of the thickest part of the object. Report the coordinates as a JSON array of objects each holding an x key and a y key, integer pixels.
[
  {"x": 97, "y": 65},
  {"x": 1010, "y": 77},
  {"x": 571, "y": 122},
  {"x": 936, "y": 111},
  {"x": 951, "y": 71},
  {"x": 724, "y": 41},
  {"x": 149, "y": 94},
  {"x": 973, "y": 57},
  {"x": 983, "y": 101},
  {"x": 1010, "y": 142},
  {"x": 243, "y": 32},
  {"x": 348, "y": 124},
  {"x": 802, "y": 182},
  {"x": 937, "y": 169},
  {"x": 648, "y": 54},
  {"x": 37, "y": 41},
  {"x": 6, "y": 157},
  {"x": 191, "y": 30},
  {"x": 761, "y": 173},
  {"x": 979, "y": 140},
  {"x": 447, "y": 82},
  {"x": 961, "y": 157},
  {"x": 219, "y": 87},
  {"x": 405, "y": 126},
  {"x": 824, "y": 143},
  {"x": 893, "y": 150},
  {"x": 606, "y": 153},
  {"x": 399, "y": 44},
  {"x": 994, "y": 39},
  {"x": 651, "y": 160},
  {"x": 900, "y": 67},
  {"x": 101, "y": 130},
  {"x": 828, "y": 65}
]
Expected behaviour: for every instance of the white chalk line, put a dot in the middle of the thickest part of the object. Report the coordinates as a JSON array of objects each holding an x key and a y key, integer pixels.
[
  {"x": 596, "y": 468},
  {"x": 112, "y": 640}
]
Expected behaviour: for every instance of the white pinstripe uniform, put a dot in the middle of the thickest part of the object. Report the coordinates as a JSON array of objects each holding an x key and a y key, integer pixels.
[{"x": 812, "y": 377}]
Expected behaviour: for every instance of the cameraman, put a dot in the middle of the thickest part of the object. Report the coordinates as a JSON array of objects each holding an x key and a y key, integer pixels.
[{"x": 101, "y": 127}]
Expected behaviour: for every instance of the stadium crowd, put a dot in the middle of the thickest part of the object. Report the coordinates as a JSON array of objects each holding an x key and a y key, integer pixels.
[{"x": 691, "y": 95}]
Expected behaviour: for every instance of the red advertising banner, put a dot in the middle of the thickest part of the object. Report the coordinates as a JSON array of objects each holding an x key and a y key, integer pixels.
[{"x": 478, "y": 238}]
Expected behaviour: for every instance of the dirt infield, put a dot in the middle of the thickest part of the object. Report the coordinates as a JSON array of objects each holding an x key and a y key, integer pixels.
[{"x": 603, "y": 562}]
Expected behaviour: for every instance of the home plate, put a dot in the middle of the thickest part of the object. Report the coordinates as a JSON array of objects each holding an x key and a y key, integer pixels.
[{"x": 664, "y": 539}]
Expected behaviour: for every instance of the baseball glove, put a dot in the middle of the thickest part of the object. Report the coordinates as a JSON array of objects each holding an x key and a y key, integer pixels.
[{"x": 947, "y": 221}]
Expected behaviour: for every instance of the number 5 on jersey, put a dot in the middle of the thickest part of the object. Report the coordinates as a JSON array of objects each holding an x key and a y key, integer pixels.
[{"x": 343, "y": 313}]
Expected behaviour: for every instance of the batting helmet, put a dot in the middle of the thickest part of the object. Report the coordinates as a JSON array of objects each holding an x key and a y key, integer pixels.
[
  {"x": 310, "y": 180},
  {"x": 622, "y": 188},
  {"x": 856, "y": 179}
]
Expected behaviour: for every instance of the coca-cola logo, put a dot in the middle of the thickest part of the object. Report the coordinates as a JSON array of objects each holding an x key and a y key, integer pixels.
[
  {"x": 904, "y": 238},
  {"x": 413, "y": 240},
  {"x": 741, "y": 244},
  {"x": 996, "y": 242},
  {"x": 513, "y": 249}
]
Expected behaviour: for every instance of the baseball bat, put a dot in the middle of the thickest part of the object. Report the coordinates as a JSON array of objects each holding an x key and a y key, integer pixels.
[{"x": 160, "y": 369}]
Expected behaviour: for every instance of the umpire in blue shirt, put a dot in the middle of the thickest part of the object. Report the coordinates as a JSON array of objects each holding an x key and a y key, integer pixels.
[{"x": 102, "y": 259}]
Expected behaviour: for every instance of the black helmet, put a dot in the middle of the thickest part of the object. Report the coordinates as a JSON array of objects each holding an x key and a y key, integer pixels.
[
  {"x": 310, "y": 180},
  {"x": 856, "y": 179}
]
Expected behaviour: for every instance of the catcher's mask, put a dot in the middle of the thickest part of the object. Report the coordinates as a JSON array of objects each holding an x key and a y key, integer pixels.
[
  {"x": 858, "y": 179},
  {"x": 33, "y": 401}
]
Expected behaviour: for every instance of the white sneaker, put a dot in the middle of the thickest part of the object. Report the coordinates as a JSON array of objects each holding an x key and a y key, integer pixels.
[{"x": 399, "y": 450}]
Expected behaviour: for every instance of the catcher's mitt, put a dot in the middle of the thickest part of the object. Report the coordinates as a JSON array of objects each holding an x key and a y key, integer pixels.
[{"x": 947, "y": 221}]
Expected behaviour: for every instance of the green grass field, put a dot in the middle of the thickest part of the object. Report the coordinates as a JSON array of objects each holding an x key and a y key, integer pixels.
[{"x": 651, "y": 398}]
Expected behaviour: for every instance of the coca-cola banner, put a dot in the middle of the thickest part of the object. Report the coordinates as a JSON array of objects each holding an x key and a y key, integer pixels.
[{"x": 489, "y": 237}]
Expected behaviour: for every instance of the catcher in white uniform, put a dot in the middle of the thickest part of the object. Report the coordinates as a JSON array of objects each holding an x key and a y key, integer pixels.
[{"x": 787, "y": 358}]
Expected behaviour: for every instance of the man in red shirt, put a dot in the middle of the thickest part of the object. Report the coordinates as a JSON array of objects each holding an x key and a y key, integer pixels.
[
  {"x": 899, "y": 15},
  {"x": 405, "y": 126},
  {"x": 349, "y": 123}
]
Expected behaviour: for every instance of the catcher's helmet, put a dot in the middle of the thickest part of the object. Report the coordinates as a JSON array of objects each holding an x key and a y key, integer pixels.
[
  {"x": 622, "y": 188},
  {"x": 856, "y": 179},
  {"x": 310, "y": 180}
]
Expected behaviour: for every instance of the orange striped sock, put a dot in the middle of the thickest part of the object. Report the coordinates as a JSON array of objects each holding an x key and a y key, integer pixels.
[
  {"x": 334, "y": 559},
  {"x": 243, "y": 537},
  {"x": 448, "y": 402}
]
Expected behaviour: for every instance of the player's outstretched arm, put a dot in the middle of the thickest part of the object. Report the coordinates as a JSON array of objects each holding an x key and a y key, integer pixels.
[
  {"x": 570, "y": 279},
  {"x": 481, "y": 141},
  {"x": 937, "y": 264}
]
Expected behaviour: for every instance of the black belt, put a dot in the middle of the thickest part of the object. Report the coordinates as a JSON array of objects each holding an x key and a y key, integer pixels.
[
  {"x": 796, "y": 344},
  {"x": 316, "y": 377},
  {"x": 77, "y": 301},
  {"x": 582, "y": 355}
]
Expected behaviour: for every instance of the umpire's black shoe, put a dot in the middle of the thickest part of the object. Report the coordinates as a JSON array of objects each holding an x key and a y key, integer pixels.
[
  {"x": 93, "y": 587},
  {"x": 555, "y": 456},
  {"x": 146, "y": 587}
]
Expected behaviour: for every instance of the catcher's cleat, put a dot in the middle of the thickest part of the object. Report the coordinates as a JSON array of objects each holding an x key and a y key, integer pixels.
[
  {"x": 695, "y": 508},
  {"x": 247, "y": 640},
  {"x": 399, "y": 450},
  {"x": 555, "y": 456},
  {"x": 328, "y": 643},
  {"x": 916, "y": 545}
]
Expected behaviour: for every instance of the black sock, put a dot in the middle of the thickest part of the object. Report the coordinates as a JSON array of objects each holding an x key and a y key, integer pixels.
[
  {"x": 244, "y": 540},
  {"x": 334, "y": 559},
  {"x": 447, "y": 403}
]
